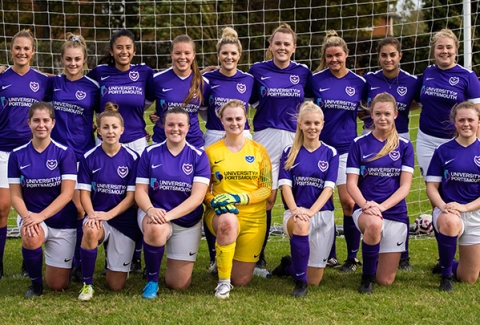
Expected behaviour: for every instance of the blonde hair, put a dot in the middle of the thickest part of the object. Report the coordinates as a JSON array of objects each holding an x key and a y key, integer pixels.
[
  {"x": 306, "y": 107},
  {"x": 463, "y": 105},
  {"x": 444, "y": 33},
  {"x": 285, "y": 29},
  {"x": 111, "y": 110},
  {"x": 198, "y": 84},
  {"x": 27, "y": 34},
  {"x": 75, "y": 41},
  {"x": 331, "y": 39},
  {"x": 230, "y": 104},
  {"x": 392, "y": 137},
  {"x": 229, "y": 36}
]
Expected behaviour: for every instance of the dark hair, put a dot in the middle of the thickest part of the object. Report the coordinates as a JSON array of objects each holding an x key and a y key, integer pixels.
[
  {"x": 111, "y": 109},
  {"x": 198, "y": 84},
  {"x": 108, "y": 58},
  {"x": 177, "y": 110},
  {"x": 41, "y": 106},
  {"x": 389, "y": 41},
  {"x": 75, "y": 41}
]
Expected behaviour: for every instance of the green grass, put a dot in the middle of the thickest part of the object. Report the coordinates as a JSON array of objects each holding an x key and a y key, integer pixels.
[{"x": 412, "y": 299}]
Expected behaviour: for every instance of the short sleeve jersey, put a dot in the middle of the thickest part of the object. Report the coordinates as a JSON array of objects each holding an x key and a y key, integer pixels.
[
  {"x": 278, "y": 94},
  {"x": 404, "y": 88},
  {"x": 457, "y": 169},
  {"x": 224, "y": 89},
  {"x": 127, "y": 89},
  {"x": 441, "y": 90},
  {"x": 108, "y": 179},
  {"x": 17, "y": 94},
  {"x": 40, "y": 175},
  {"x": 310, "y": 174},
  {"x": 339, "y": 100},
  {"x": 75, "y": 103},
  {"x": 170, "y": 91},
  {"x": 380, "y": 178},
  {"x": 170, "y": 178},
  {"x": 240, "y": 172}
]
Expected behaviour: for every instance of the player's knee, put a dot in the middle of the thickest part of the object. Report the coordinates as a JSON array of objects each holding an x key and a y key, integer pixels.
[
  {"x": 241, "y": 281},
  {"x": 468, "y": 278},
  {"x": 178, "y": 284},
  {"x": 116, "y": 285},
  {"x": 31, "y": 242},
  {"x": 385, "y": 281},
  {"x": 301, "y": 228}
]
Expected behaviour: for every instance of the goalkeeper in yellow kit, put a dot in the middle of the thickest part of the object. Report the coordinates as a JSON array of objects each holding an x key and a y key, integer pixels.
[{"x": 240, "y": 184}]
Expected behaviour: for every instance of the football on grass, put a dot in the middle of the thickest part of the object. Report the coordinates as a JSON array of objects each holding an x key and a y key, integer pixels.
[{"x": 423, "y": 225}]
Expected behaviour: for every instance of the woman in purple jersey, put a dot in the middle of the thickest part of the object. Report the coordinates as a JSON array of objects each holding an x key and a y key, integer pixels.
[
  {"x": 444, "y": 84},
  {"x": 42, "y": 176},
  {"x": 172, "y": 179},
  {"x": 308, "y": 175},
  {"x": 110, "y": 216},
  {"x": 452, "y": 186},
  {"x": 280, "y": 88},
  {"x": 75, "y": 99},
  {"x": 126, "y": 85},
  {"x": 20, "y": 86},
  {"x": 182, "y": 85},
  {"x": 403, "y": 87},
  {"x": 339, "y": 92},
  {"x": 379, "y": 175},
  {"x": 226, "y": 83}
]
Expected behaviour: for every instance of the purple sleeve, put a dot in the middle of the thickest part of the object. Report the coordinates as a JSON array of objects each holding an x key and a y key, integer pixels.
[
  {"x": 68, "y": 165},
  {"x": 353, "y": 157},
  {"x": 150, "y": 89},
  {"x": 49, "y": 91},
  {"x": 332, "y": 174},
  {"x": 435, "y": 166},
  {"x": 142, "y": 168},
  {"x": 254, "y": 98},
  {"x": 206, "y": 92},
  {"x": 283, "y": 173},
  {"x": 13, "y": 171},
  {"x": 132, "y": 176},
  {"x": 203, "y": 167},
  {"x": 473, "y": 89},
  {"x": 308, "y": 87},
  {"x": 408, "y": 156},
  {"x": 93, "y": 74}
]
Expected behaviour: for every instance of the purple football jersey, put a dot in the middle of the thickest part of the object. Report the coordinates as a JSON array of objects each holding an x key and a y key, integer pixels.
[
  {"x": 40, "y": 175},
  {"x": 170, "y": 178},
  {"x": 75, "y": 103},
  {"x": 380, "y": 178},
  {"x": 310, "y": 174},
  {"x": 17, "y": 94}
]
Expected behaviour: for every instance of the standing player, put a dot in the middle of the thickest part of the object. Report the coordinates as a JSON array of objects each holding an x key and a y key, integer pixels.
[
  {"x": 307, "y": 177},
  {"x": 444, "y": 84},
  {"x": 125, "y": 84},
  {"x": 172, "y": 179},
  {"x": 452, "y": 186},
  {"x": 379, "y": 174},
  {"x": 75, "y": 99},
  {"x": 106, "y": 180},
  {"x": 42, "y": 176},
  {"x": 182, "y": 85},
  {"x": 239, "y": 187},
  {"x": 226, "y": 83},
  {"x": 280, "y": 88},
  {"x": 403, "y": 87},
  {"x": 20, "y": 87},
  {"x": 339, "y": 92}
]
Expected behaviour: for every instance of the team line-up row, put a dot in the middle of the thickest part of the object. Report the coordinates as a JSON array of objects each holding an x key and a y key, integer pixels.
[{"x": 236, "y": 174}]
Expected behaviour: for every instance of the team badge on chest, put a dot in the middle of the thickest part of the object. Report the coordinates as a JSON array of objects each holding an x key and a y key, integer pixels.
[
  {"x": 52, "y": 164},
  {"x": 134, "y": 75},
  {"x": 453, "y": 81},
  {"x": 350, "y": 91},
  {"x": 476, "y": 159},
  {"x": 34, "y": 86},
  {"x": 80, "y": 94},
  {"x": 323, "y": 165},
  {"x": 242, "y": 88},
  {"x": 122, "y": 171},
  {"x": 249, "y": 159},
  {"x": 394, "y": 155},
  {"x": 294, "y": 79},
  {"x": 187, "y": 168},
  {"x": 402, "y": 91}
]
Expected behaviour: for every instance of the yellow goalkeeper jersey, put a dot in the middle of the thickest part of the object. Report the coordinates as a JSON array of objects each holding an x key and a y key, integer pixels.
[{"x": 248, "y": 171}]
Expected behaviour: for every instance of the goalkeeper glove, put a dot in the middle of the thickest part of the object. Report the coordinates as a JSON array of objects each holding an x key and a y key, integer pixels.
[
  {"x": 225, "y": 198},
  {"x": 227, "y": 208}
]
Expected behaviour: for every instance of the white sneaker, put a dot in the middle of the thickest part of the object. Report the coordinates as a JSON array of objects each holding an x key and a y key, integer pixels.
[
  {"x": 222, "y": 290},
  {"x": 86, "y": 293}
]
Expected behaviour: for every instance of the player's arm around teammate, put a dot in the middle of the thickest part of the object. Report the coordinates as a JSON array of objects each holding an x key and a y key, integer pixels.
[
  {"x": 107, "y": 184},
  {"x": 307, "y": 177},
  {"x": 379, "y": 175},
  {"x": 240, "y": 185},
  {"x": 172, "y": 179},
  {"x": 46, "y": 213},
  {"x": 451, "y": 186}
]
